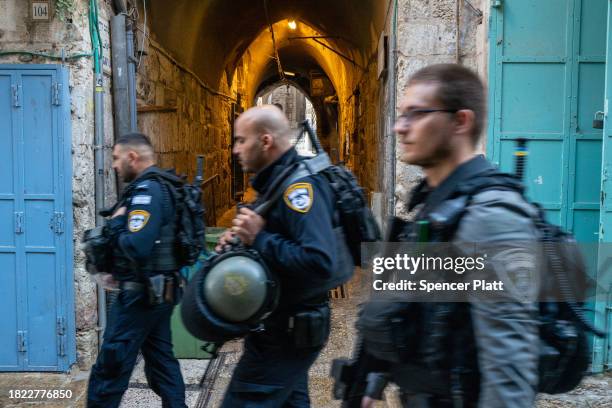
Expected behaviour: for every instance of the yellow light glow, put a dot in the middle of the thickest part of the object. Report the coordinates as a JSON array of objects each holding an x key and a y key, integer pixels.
[{"x": 292, "y": 24}]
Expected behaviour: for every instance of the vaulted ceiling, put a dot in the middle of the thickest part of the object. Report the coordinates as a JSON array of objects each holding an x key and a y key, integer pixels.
[{"x": 211, "y": 36}]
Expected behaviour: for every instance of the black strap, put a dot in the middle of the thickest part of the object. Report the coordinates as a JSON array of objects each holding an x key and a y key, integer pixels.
[
  {"x": 290, "y": 174},
  {"x": 451, "y": 185}
]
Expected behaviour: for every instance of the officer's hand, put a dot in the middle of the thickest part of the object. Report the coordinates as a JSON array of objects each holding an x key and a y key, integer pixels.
[
  {"x": 367, "y": 402},
  {"x": 225, "y": 239},
  {"x": 119, "y": 212},
  {"x": 247, "y": 225}
]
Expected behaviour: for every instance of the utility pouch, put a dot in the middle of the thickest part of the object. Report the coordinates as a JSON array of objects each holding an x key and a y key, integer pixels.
[
  {"x": 155, "y": 289},
  {"x": 310, "y": 328}
]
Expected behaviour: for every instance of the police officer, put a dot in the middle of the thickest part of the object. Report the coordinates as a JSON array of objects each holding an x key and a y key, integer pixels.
[
  {"x": 138, "y": 228},
  {"x": 296, "y": 241},
  {"x": 438, "y": 128}
]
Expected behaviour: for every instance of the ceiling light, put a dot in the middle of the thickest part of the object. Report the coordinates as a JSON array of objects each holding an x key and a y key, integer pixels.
[
  {"x": 292, "y": 24},
  {"x": 289, "y": 73}
]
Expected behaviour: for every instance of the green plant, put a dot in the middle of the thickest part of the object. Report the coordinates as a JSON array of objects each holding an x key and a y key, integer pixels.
[{"x": 65, "y": 8}]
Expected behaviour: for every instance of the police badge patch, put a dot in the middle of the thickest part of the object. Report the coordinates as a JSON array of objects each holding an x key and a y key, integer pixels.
[
  {"x": 299, "y": 197},
  {"x": 137, "y": 219}
]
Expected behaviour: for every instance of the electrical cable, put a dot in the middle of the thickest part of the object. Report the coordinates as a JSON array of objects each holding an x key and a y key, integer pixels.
[
  {"x": 42, "y": 54},
  {"x": 144, "y": 34},
  {"x": 281, "y": 73},
  {"x": 474, "y": 9}
]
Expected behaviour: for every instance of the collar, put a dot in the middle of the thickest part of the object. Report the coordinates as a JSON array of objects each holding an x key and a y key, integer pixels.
[
  {"x": 140, "y": 178},
  {"x": 145, "y": 173},
  {"x": 423, "y": 193},
  {"x": 262, "y": 180}
]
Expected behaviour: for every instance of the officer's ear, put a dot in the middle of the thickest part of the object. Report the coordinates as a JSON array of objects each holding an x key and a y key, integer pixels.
[
  {"x": 267, "y": 140},
  {"x": 466, "y": 120},
  {"x": 132, "y": 156}
]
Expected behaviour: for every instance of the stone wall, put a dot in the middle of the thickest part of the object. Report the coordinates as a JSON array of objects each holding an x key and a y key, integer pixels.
[
  {"x": 427, "y": 34},
  {"x": 360, "y": 142},
  {"x": 293, "y": 103},
  {"x": 19, "y": 33},
  {"x": 184, "y": 118}
]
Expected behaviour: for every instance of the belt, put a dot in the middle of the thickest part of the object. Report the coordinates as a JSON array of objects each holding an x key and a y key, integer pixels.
[{"x": 135, "y": 286}]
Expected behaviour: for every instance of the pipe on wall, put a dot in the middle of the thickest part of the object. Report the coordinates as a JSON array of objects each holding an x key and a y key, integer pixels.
[
  {"x": 391, "y": 142},
  {"x": 96, "y": 43},
  {"x": 120, "y": 75},
  {"x": 131, "y": 61},
  {"x": 120, "y": 6}
]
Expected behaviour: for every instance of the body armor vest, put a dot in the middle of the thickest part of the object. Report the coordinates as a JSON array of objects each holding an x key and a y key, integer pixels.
[{"x": 162, "y": 258}]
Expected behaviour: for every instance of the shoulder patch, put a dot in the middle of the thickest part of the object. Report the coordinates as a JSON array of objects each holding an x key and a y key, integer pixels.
[
  {"x": 299, "y": 197},
  {"x": 143, "y": 186},
  {"x": 141, "y": 199},
  {"x": 137, "y": 219}
]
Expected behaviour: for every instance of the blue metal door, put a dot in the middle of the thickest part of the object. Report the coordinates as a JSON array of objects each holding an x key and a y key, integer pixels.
[
  {"x": 547, "y": 73},
  {"x": 36, "y": 290}
]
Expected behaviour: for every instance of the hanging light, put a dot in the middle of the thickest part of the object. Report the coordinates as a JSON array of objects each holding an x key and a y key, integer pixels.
[{"x": 292, "y": 24}]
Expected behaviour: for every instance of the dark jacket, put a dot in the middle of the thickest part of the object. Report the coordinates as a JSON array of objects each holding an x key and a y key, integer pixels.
[
  {"x": 135, "y": 235},
  {"x": 297, "y": 242}
]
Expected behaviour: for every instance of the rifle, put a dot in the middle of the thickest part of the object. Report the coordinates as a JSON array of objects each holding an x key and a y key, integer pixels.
[
  {"x": 364, "y": 374},
  {"x": 358, "y": 377}
]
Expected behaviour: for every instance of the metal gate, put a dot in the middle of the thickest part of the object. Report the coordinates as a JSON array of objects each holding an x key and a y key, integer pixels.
[
  {"x": 547, "y": 74},
  {"x": 36, "y": 287}
]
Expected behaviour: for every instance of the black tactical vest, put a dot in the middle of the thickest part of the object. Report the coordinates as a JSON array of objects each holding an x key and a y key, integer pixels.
[{"x": 162, "y": 259}]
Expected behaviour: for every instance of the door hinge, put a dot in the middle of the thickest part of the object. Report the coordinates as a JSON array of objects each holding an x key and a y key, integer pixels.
[
  {"x": 56, "y": 90},
  {"x": 61, "y": 334},
  {"x": 21, "y": 341},
  {"x": 19, "y": 222},
  {"x": 496, "y": 3},
  {"x": 57, "y": 223},
  {"x": 16, "y": 89}
]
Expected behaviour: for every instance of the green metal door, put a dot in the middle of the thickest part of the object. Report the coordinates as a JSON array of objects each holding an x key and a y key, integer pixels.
[
  {"x": 603, "y": 304},
  {"x": 547, "y": 74}
]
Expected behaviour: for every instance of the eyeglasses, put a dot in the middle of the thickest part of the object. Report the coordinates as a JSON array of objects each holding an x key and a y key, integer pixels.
[{"x": 411, "y": 116}]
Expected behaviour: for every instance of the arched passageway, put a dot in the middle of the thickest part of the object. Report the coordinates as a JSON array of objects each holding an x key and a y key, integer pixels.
[
  {"x": 212, "y": 60},
  {"x": 297, "y": 105}
]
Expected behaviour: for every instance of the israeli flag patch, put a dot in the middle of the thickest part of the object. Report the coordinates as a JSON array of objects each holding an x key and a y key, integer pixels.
[
  {"x": 141, "y": 199},
  {"x": 299, "y": 197}
]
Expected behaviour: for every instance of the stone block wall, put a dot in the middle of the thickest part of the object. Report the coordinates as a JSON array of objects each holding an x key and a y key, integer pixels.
[
  {"x": 360, "y": 141},
  {"x": 428, "y": 33},
  {"x": 185, "y": 118}
]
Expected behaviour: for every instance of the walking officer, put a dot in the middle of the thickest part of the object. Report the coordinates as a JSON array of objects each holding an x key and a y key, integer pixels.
[
  {"x": 296, "y": 240},
  {"x": 474, "y": 350},
  {"x": 141, "y": 233}
]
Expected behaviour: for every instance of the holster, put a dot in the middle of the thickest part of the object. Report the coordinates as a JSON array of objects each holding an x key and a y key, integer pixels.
[
  {"x": 163, "y": 288},
  {"x": 310, "y": 327}
]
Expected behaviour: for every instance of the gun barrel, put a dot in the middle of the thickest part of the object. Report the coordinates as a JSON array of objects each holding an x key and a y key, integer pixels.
[{"x": 313, "y": 136}]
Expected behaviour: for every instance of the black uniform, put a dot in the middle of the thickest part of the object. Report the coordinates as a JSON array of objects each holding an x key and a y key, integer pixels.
[
  {"x": 134, "y": 324},
  {"x": 298, "y": 245}
]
